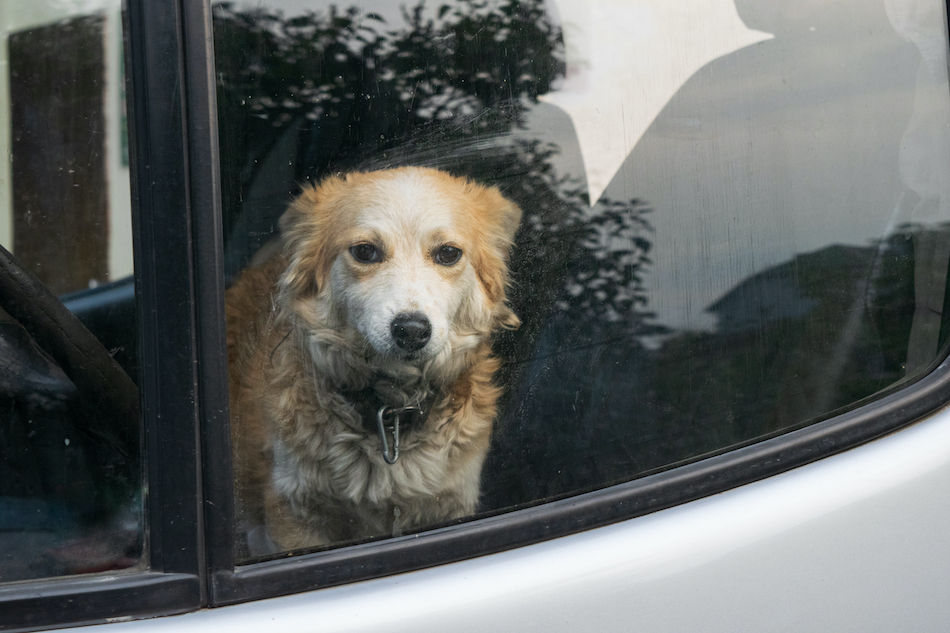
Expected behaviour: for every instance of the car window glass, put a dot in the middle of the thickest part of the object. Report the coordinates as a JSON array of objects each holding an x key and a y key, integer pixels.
[
  {"x": 70, "y": 469},
  {"x": 734, "y": 213}
]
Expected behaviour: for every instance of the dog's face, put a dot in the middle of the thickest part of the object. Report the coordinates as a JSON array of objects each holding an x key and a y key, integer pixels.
[{"x": 412, "y": 259}]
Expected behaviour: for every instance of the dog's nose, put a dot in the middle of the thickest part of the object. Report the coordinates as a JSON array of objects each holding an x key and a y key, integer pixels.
[{"x": 411, "y": 330}]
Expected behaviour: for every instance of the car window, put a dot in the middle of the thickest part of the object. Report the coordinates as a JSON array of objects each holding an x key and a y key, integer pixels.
[
  {"x": 71, "y": 497},
  {"x": 734, "y": 215}
]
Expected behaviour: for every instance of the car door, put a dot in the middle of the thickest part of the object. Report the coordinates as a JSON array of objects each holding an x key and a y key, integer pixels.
[{"x": 724, "y": 409}]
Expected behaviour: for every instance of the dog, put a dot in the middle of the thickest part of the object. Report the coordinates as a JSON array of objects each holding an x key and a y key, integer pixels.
[{"x": 360, "y": 363}]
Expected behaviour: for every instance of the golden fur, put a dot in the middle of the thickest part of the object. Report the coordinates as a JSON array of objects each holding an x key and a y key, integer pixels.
[{"x": 315, "y": 322}]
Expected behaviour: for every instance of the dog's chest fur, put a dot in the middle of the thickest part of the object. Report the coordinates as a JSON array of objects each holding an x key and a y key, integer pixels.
[{"x": 327, "y": 462}]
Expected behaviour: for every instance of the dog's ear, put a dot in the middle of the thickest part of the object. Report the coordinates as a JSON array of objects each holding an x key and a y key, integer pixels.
[
  {"x": 500, "y": 219},
  {"x": 505, "y": 317},
  {"x": 308, "y": 238}
]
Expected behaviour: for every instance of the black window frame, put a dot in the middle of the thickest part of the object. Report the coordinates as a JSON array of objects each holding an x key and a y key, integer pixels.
[
  {"x": 160, "y": 99},
  {"x": 183, "y": 379}
]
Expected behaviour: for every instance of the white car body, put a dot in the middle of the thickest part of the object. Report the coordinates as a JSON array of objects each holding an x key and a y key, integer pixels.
[{"x": 853, "y": 542}]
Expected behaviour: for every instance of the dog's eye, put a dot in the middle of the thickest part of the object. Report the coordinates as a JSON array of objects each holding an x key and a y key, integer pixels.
[
  {"x": 366, "y": 253},
  {"x": 447, "y": 255}
]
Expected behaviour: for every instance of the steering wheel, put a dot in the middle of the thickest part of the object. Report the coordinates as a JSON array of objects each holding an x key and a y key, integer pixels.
[{"x": 103, "y": 386}]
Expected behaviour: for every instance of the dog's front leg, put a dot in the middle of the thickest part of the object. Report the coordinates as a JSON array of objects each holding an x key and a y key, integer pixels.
[{"x": 286, "y": 530}]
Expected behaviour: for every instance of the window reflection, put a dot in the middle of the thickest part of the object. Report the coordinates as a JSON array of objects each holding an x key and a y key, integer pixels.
[
  {"x": 722, "y": 240},
  {"x": 70, "y": 468},
  {"x": 65, "y": 132}
]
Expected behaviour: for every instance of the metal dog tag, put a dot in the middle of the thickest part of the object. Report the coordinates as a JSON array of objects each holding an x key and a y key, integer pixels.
[{"x": 383, "y": 418}]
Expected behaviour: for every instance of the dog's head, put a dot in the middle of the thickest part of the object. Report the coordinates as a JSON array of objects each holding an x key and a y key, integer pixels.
[{"x": 412, "y": 260}]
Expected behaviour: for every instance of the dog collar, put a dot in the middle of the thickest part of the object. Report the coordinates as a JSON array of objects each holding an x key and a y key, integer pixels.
[{"x": 386, "y": 420}]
